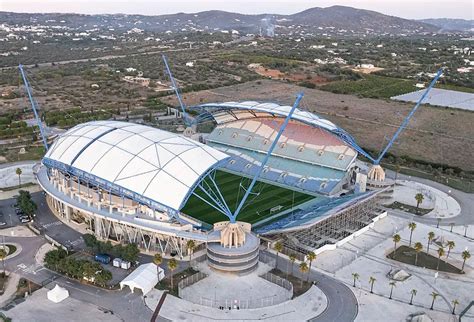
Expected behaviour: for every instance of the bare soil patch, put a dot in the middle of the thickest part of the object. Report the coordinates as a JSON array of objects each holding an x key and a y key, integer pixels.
[{"x": 437, "y": 135}]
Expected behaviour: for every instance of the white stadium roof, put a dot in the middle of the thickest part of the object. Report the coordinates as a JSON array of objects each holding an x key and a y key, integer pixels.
[
  {"x": 156, "y": 164},
  {"x": 271, "y": 108}
]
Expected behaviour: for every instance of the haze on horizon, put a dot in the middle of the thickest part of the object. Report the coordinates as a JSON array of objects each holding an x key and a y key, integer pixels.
[{"x": 410, "y": 9}]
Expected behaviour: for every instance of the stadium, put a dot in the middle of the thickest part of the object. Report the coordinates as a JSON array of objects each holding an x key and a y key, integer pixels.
[{"x": 127, "y": 182}]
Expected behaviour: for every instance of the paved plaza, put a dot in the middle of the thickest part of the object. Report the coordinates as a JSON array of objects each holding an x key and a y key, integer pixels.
[
  {"x": 229, "y": 290},
  {"x": 39, "y": 309},
  {"x": 443, "y": 205}
]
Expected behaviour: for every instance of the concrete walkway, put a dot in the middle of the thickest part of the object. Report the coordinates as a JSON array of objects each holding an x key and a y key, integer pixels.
[
  {"x": 9, "y": 178},
  {"x": 443, "y": 205},
  {"x": 310, "y": 304},
  {"x": 10, "y": 289}
]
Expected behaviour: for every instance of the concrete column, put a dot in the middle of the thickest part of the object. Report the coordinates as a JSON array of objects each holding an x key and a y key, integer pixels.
[
  {"x": 67, "y": 212},
  {"x": 97, "y": 228}
]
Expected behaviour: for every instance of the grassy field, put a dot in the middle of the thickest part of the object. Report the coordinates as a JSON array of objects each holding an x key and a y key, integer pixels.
[
  {"x": 406, "y": 255},
  {"x": 257, "y": 206}
]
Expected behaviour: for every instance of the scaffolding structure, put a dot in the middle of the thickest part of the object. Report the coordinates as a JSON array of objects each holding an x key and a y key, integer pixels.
[{"x": 331, "y": 229}]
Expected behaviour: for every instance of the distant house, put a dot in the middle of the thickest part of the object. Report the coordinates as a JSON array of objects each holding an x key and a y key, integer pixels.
[
  {"x": 190, "y": 64},
  {"x": 420, "y": 85}
]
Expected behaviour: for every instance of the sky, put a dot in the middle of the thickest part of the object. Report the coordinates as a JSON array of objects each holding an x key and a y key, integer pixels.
[{"x": 411, "y": 9}]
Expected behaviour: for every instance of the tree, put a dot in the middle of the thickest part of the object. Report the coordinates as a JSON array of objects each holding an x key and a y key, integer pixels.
[
  {"x": 278, "y": 247},
  {"x": 292, "y": 260},
  {"x": 18, "y": 173},
  {"x": 190, "y": 245},
  {"x": 157, "y": 259},
  {"x": 90, "y": 241},
  {"x": 103, "y": 277},
  {"x": 355, "y": 277},
  {"x": 3, "y": 255},
  {"x": 172, "y": 265},
  {"x": 412, "y": 227},
  {"x": 413, "y": 293},
  {"x": 311, "y": 257},
  {"x": 396, "y": 240},
  {"x": 371, "y": 282},
  {"x": 434, "y": 295},
  {"x": 451, "y": 245},
  {"x": 419, "y": 199},
  {"x": 392, "y": 285},
  {"x": 130, "y": 252},
  {"x": 455, "y": 303},
  {"x": 25, "y": 203},
  {"x": 418, "y": 248},
  {"x": 465, "y": 256},
  {"x": 303, "y": 269},
  {"x": 431, "y": 235},
  {"x": 440, "y": 253}
]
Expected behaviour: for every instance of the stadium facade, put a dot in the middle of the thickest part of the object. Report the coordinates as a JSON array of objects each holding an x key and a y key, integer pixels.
[{"x": 129, "y": 183}]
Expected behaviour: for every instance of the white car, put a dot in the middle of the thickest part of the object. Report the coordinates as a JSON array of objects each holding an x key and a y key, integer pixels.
[{"x": 2, "y": 223}]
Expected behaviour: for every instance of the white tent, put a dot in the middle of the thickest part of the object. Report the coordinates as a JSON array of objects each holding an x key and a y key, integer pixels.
[
  {"x": 58, "y": 294},
  {"x": 144, "y": 277}
]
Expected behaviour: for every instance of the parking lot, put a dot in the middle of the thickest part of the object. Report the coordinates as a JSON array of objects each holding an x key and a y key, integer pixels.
[
  {"x": 7, "y": 214},
  {"x": 44, "y": 220}
]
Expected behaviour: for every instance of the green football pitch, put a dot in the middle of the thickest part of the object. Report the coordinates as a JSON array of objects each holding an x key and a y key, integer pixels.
[{"x": 264, "y": 201}]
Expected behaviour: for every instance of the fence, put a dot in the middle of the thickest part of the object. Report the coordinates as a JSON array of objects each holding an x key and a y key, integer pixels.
[
  {"x": 279, "y": 281},
  {"x": 242, "y": 303},
  {"x": 190, "y": 280}
]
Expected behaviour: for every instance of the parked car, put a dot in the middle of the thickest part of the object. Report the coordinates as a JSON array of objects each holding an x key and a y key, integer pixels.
[
  {"x": 2, "y": 223},
  {"x": 25, "y": 220}
]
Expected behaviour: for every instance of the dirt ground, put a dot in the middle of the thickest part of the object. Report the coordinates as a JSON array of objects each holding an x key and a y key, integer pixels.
[{"x": 438, "y": 135}]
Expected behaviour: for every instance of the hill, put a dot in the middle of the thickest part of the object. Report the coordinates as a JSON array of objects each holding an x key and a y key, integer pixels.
[
  {"x": 451, "y": 24},
  {"x": 333, "y": 19}
]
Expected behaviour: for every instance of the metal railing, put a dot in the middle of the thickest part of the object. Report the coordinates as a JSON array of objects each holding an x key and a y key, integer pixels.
[
  {"x": 279, "y": 281},
  {"x": 235, "y": 303}
]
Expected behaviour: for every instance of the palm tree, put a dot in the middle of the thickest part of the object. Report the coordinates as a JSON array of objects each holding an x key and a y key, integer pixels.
[
  {"x": 440, "y": 253},
  {"x": 418, "y": 248},
  {"x": 311, "y": 256},
  {"x": 18, "y": 173},
  {"x": 412, "y": 227},
  {"x": 396, "y": 239},
  {"x": 419, "y": 199},
  {"x": 371, "y": 282},
  {"x": 355, "y": 276},
  {"x": 392, "y": 285},
  {"x": 157, "y": 259},
  {"x": 431, "y": 235},
  {"x": 434, "y": 295},
  {"x": 455, "y": 302},
  {"x": 172, "y": 265},
  {"x": 292, "y": 260},
  {"x": 451, "y": 245},
  {"x": 278, "y": 247},
  {"x": 413, "y": 293},
  {"x": 303, "y": 269},
  {"x": 3, "y": 255},
  {"x": 465, "y": 256},
  {"x": 190, "y": 245}
]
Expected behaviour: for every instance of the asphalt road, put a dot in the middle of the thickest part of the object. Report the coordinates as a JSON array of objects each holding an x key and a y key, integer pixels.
[{"x": 342, "y": 303}]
